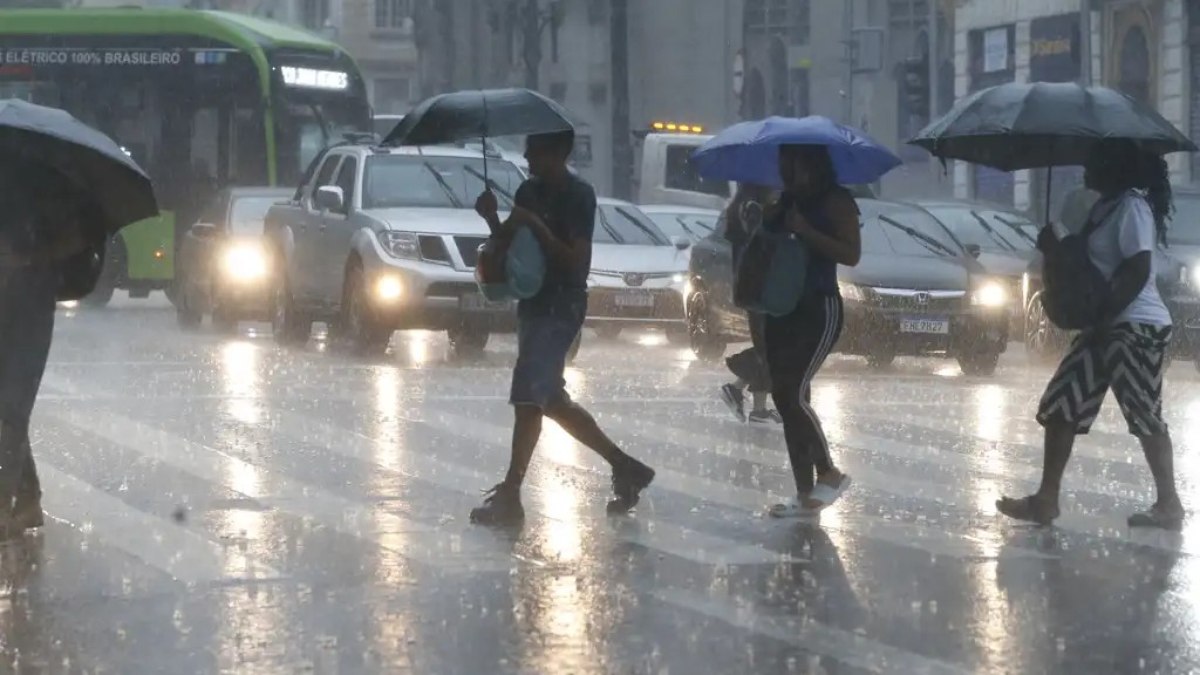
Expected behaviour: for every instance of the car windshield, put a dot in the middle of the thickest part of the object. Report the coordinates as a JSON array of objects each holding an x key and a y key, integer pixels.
[
  {"x": 691, "y": 225},
  {"x": 904, "y": 230},
  {"x": 990, "y": 230},
  {"x": 1184, "y": 227},
  {"x": 416, "y": 181},
  {"x": 626, "y": 225},
  {"x": 247, "y": 214}
]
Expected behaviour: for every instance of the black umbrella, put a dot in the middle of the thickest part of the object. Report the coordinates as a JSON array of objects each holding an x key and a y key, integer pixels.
[
  {"x": 1043, "y": 124},
  {"x": 466, "y": 115},
  {"x": 90, "y": 160},
  {"x": 1026, "y": 126}
]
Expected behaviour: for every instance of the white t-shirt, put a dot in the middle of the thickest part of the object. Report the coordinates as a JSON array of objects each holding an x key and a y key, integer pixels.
[{"x": 1127, "y": 229}]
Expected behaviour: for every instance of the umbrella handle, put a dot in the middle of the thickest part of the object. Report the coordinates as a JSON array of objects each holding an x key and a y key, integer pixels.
[{"x": 483, "y": 142}]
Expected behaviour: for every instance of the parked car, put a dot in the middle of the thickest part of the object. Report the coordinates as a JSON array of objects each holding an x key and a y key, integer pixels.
[
  {"x": 379, "y": 239},
  {"x": 224, "y": 265},
  {"x": 1178, "y": 276},
  {"x": 1004, "y": 242},
  {"x": 683, "y": 221},
  {"x": 914, "y": 293},
  {"x": 638, "y": 273}
]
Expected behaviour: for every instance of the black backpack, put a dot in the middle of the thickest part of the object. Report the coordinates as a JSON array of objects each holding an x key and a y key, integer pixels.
[{"x": 1074, "y": 290}]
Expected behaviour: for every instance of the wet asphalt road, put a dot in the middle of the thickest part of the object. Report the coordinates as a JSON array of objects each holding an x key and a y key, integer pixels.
[{"x": 219, "y": 504}]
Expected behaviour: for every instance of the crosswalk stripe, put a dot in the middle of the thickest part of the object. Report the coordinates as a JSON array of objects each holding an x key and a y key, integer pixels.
[
  {"x": 657, "y": 534},
  {"x": 892, "y": 484},
  {"x": 928, "y": 539},
  {"x": 810, "y": 635},
  {"x": 422, "y": 543},
  {"x": 170, "y": 548}
]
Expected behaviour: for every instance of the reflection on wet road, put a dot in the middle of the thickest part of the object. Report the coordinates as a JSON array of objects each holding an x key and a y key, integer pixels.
[{"x": 220, "y": 504}]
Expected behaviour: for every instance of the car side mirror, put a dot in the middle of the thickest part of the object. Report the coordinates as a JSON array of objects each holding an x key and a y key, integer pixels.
[
  {"x": 330, "y": 198},
  {"x": 204, "y": 230},
  {"x": 974, "y": 250},
  {"x": 681, "y": 242}
]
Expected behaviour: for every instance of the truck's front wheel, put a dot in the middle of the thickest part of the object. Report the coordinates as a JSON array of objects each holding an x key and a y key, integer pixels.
[{"x": 358, "y": 324}]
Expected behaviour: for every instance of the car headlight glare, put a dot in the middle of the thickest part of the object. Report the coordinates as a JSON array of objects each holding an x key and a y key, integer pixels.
[
  {"x": 852, "y": 292},
  {"x": 245, "y": 262},
  {"x": 402, "y": 245},
  {"x": 389, "y": 288},
  {"x": 1194, "y": 277},
  {"x": 990, "y": 294},
  {"x": 678, "y": 278}
]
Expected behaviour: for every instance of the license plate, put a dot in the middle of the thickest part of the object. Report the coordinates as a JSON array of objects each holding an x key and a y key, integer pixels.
[
  {"x": 634, "y": 300},
  {"x": 475, "y": 302},
  {"x": 929, "y": 326}
]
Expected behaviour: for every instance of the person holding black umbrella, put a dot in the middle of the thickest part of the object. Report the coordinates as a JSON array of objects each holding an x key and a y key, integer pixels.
[
  {"x": 39, "y": 233},
  {"x": 1125, "y": 349},
  {"x": 560, "y": 209}
]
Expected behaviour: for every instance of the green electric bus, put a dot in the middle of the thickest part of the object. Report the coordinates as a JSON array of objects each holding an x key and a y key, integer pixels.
[{"x": 202, "y": 100}]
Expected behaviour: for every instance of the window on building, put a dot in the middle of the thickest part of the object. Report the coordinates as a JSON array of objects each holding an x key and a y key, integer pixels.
[
  {"x": 392, "y": 14},
  {"x": 314, "y": 13},
  {"x": 771, "y": 17}
]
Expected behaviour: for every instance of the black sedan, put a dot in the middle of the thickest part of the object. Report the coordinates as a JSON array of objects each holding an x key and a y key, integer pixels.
[
  {"x": 224, "y": 266},
  {"x": 1004, "y": 242},
  {"x": 915, "y": 292}
]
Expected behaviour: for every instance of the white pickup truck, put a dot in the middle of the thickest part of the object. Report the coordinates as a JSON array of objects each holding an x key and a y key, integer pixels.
[{"x": 379, "y": 239}]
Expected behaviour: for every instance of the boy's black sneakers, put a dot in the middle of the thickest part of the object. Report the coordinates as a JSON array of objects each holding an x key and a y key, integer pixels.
[
  {"x": 628, "y": 481},
  {"x": 502, "y": 506}
]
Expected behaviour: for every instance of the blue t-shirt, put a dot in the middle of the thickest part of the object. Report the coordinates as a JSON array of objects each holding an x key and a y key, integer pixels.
[{"x": 569, "y": 211}]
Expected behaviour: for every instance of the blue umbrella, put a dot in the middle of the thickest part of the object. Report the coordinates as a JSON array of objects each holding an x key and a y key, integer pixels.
[{"x": 748, "y": 152}]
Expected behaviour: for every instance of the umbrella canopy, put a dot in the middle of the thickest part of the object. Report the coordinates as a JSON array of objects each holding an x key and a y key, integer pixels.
[
  {"x": 473, "y": 114},
  {"x": 748, "y": 152},
  {"x": 1027, "y": 126},
  {"x": 94, "y": 164}
]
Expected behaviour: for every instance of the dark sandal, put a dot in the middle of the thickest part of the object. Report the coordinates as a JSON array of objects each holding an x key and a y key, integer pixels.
[
  {"x": 1030, "y": 509},
  {"x": 1157, "y": 518}
]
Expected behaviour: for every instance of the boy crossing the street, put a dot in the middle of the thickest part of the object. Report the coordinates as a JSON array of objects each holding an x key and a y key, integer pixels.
[{"x": 560, "y": 210}]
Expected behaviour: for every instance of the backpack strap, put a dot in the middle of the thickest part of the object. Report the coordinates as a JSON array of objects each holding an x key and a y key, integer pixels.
[{"x": 1095, "y": 220}]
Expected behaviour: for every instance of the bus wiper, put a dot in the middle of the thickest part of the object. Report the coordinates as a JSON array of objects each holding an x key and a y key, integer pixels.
[
  {"x": 929, "y": 242},
  {"x": 491, "y": 184},
  {"x": 992, "y": 232},
  {"x": 454, "y": 200}
]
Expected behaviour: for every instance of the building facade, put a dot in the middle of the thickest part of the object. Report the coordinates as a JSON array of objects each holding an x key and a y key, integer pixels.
[
  {"x": 866, "y": 63},
  {"x": 680, "y": 57},
  {"x": 1144, "y": 48}
]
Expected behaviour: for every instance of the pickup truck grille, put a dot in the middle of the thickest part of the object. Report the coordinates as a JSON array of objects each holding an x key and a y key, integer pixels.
[
  {"x": 450, "y": 289},
  {"x": 433, "y": 249},
  {"x": 468, "y": 248}
]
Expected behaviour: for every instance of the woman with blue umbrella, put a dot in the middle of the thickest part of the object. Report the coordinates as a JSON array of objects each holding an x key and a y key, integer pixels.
[{"x": 811, "y": 160}]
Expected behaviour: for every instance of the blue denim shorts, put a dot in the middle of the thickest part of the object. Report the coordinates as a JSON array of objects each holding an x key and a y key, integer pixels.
[{"x": 545, "y": 331}]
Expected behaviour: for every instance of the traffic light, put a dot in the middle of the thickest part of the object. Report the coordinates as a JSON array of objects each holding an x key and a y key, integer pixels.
[{"x": 913, "y": 76}]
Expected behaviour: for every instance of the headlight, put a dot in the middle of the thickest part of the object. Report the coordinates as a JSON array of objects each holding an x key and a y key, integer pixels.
[
  {"x": 1195, "y": 277},
  {"x": 852, "y": 292},
  {"x": 389, "y": 288},
  {"x": 403, "y": 245},
  {"x": 990, "y": 294},
  {"x": 245, "y": 262},
  {"x": 678, "y": 278}
]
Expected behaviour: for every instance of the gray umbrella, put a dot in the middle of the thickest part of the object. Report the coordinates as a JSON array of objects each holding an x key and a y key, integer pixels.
[
  {"x": 1026, "y": 126},
  {"x": 472, "y": 114},
  {"x": 93, "y": 163}
]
